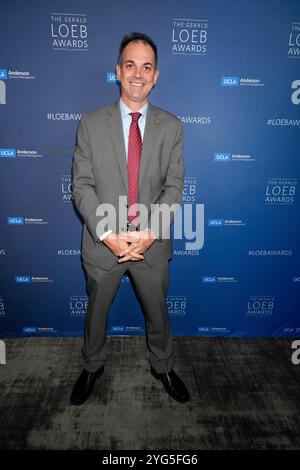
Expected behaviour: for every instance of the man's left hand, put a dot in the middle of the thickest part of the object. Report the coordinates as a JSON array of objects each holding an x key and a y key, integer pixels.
[{"x": 139, "y": 241}]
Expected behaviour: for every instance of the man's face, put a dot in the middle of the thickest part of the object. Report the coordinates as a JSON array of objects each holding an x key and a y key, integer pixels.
[{"x": 137, "y": 73}]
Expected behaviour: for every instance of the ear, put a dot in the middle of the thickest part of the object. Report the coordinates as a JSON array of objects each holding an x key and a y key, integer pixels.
[
  {"x": 156, "y": 75},
  {"x": 118, "y": 70}
]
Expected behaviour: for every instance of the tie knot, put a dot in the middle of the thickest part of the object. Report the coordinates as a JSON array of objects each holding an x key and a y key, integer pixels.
[{"x": 135, "y": 117}]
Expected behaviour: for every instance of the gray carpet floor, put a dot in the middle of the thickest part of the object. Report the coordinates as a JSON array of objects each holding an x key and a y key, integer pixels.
[{"x": 245, "y": 395}]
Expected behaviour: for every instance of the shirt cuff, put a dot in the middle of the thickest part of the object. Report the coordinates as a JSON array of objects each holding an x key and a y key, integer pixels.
[{"x": 105, "y": 234}]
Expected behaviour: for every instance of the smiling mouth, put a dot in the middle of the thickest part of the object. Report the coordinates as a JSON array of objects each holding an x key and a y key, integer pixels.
[{"x": 137, "y": 84}]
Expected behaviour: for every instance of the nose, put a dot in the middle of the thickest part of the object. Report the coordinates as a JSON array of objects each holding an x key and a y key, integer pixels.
[{"x": 138, "y": 73}]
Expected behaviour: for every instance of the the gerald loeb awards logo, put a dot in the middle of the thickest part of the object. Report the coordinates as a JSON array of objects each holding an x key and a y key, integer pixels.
[
  {"x": 294, "y": 41},
  {"x": 66, "y": 188},
  {"x": 281, "y": 191},
  {"x": 189, "y": 36},
  {"x": 69, "y": 31}
]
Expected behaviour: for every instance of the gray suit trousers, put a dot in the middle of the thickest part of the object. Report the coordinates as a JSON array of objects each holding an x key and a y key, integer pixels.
[{"x": 151, "y": 285}]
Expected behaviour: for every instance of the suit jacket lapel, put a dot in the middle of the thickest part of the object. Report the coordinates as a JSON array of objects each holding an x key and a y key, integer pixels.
[
  {"x": 115, "y": 127},
  {"x": 150, "y": 137}
]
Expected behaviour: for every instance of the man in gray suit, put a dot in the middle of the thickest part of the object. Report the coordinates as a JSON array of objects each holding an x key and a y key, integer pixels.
[{"x": 128, "y": 166}]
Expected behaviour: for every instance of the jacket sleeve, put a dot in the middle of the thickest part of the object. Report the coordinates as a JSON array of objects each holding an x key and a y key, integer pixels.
[{"x": 85, "y": 197}]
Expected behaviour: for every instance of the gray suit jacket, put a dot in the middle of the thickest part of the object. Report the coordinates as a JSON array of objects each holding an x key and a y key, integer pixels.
[{"x": 100, "y": 176}]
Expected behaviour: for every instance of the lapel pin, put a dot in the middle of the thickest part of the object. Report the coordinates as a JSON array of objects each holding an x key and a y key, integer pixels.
[{"x": 157, "y": 122}]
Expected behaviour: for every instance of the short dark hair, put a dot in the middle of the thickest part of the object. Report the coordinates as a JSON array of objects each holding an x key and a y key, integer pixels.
[{"x": 136, "y": 37}]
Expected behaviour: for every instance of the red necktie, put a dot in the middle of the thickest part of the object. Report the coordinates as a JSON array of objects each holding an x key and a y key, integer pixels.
[{"x": 134, "y": 158}]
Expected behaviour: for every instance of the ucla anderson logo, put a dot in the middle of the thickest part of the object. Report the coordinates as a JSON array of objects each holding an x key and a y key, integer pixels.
[
  {"x": 111, "y": 77},
  {"x": 3, "y": 74},
  {"x": 8, "y": 153},
  {"x": 15, "y": 220},
  {"x": 222, "y": 157},
  {"x": 209, "y": 279},
  {"x": 22, "y": 279},
  {"x": 118, "y": 329},
  {"x": 215, "y": 222},
  {"x": 29, "y": 330},
  {"x": 240, "y": 81},
  {"x": 230, "y": 81}
]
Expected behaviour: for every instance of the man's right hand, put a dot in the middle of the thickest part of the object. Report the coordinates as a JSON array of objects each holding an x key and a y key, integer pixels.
[{"x": 115, "y": 243}]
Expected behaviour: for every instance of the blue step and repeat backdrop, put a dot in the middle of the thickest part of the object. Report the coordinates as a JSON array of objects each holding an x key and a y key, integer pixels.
[{"x": 230, "y": 70}]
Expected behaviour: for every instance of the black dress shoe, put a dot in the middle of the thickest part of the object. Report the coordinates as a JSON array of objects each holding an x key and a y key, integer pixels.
[
  {"x": 84, "y": 386},
  {"x": 173, "y": 385}
]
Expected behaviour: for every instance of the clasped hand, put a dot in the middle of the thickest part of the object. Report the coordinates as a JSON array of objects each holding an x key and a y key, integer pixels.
[{"x": 130, "y": 246}]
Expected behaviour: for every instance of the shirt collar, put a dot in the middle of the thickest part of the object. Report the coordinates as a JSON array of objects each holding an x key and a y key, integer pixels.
[{"x": 125, "y": 111}]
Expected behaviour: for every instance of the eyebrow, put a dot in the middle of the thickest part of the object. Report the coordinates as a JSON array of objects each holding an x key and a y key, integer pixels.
[{"x": 132, "y": 62}]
